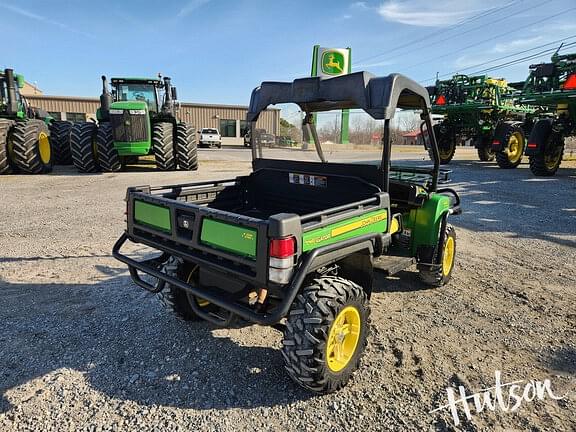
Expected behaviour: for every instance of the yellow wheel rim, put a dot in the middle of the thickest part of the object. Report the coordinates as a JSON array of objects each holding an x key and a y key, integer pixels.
[
  {"x": 515, "y": 147},
  {"x": 44, "y": 148},
  {"x": 448, "y": 259},
  {"x": 551, "y": 160},
  {"x": 343, "y": 338},
  {"x": 200, "y": 301},
  {"x": 445, "y": 152}
]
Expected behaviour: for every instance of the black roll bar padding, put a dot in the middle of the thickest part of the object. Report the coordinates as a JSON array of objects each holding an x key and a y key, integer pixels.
[
  {"x": 248, "y": 314},
  {"x": 434, "y": 147},
  {"x": 386, "y": 152}
]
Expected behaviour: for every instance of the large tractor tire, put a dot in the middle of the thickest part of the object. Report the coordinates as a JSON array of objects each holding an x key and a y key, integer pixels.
[
  {"x": 446, "y": 145},
  {"x": 30, "y": 149},
  {"x": 108, "y": 157},
  {"x": 513, "y": 141},
  {"x": 84, "y": 147},
  {"x": 176, "y": 300},
  {"x": 547, "y": 162},
  {"x": 326, "y": 333},
  {"x": 163, "y": 146},
  {"x": 5, "y": 165},
  {"x": 484, "y": 148},
  {"x": 440, "y": 275},
  {"x": 186, "y": 149},
  {"x": 60, "y": 139}
]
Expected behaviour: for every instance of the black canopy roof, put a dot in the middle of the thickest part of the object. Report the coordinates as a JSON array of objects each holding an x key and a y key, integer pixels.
[{"x": 378, "y": 96}]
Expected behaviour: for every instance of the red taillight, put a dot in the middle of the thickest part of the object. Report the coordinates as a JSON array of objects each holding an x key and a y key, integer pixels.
[
  {"x": 282, "y": 248},
  {"x": 532, "y": 145},
  {"x": 441, "y": 100},
  {"x": 495, "y": 142},
  {"x": 570, "y": 83}
]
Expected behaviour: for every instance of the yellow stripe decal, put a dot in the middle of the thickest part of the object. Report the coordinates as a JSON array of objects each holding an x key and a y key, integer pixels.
[{"x": 358, "y": 224}]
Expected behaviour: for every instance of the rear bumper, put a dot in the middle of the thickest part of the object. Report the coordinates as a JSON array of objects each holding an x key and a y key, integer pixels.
[{"x": 271, "y": 317}]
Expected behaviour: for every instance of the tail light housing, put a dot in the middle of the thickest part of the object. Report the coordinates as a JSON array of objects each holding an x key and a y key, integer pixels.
[
  {"x": 281, "y": 261},
  {"x": 570, "y": 83}
]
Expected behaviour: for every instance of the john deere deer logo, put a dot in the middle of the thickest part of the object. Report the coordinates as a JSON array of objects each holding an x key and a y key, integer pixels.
[{"x": 332, "y": 63}]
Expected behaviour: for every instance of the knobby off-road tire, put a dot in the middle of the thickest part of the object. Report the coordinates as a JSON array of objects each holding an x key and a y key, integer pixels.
[
  {"x": 31, "y": 151},
  {"x": 107, "y": 155},
  {"x": 484, "y": 148},
  {"x": 446, "y": 145},
  {"x": 83, "y": 147},
  {"x": 176, "y": 300},
  {"x": 5, "y": 165},
  {"x": 314, "y": 317},
  {"x": 512, "y": 137},
  {"x": 441, "y": 276},
  {"x": 60, "y": 138},
  {"x": 186, "y": 151},
  {"x": 163, "y": 146},
  {"x": 547, "y": 162}
]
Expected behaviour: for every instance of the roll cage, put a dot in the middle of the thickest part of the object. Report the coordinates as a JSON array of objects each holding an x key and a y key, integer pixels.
[{"x": 379, "y": 97}]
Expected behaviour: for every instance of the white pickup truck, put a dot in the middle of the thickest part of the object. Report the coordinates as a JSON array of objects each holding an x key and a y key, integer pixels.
[{"x": 210, "y": 137}]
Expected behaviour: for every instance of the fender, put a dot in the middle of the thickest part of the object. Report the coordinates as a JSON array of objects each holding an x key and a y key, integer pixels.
[{"x": 538, "y": 137}]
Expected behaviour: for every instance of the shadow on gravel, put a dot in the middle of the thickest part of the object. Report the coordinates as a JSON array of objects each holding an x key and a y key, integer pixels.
[
  {"x": 561, "y": 359},
  {"x": 515, "y": 202},
  {"x": 128, "y": 347},
  {"x": 403, "y": 281}
]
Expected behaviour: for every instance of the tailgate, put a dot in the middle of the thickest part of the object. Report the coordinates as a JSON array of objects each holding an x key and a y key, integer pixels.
[{"x": 227, "y": 241}]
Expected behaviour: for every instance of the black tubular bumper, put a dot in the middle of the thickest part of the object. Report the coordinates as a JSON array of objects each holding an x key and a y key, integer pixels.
[{"x": 150, "y": 267}]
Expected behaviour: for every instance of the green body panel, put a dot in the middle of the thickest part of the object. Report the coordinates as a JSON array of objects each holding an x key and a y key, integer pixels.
[
  {"x": 237, "y": 239},
  {"x": 152, "y": 215},
  {"x": 372, "y": 222},
  {"x": 425, "y": 221},
  {"x": 135, "y": 148},
  {"x": 20, "y": 80}
]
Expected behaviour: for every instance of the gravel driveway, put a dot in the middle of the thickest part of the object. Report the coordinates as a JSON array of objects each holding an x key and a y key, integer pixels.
[{"x": 83, "y": 348}]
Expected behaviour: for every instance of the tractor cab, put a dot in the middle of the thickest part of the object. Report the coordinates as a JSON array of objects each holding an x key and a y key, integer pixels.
[{"x": 137, "y": 89}]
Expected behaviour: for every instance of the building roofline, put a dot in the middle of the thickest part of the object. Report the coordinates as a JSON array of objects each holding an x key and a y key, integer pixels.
[{"x": 97, "y": 100}]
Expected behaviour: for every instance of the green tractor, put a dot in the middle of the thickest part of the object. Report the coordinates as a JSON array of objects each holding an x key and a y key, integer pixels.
[
  {"x": 553, "y": 87},
  {"x": 24, "y": 133},
  {"x": 482, "y": 109},
  {"x": 133, "y": 123}
]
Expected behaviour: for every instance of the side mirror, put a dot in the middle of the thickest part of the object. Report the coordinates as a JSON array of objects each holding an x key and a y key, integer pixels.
[{"x": 174, "y": 93}]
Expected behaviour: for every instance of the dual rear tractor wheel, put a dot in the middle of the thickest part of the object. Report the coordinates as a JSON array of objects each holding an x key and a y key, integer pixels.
[{"x": 25, "y": 147}]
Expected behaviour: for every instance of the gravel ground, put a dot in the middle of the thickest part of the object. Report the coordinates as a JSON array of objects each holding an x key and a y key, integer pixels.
[{"x": 83, "y": 348}]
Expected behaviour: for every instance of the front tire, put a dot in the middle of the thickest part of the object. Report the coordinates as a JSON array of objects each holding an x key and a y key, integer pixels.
[
  {"x": 60, "y": 138},
  {"x": 326, "y": 334},
  {"x": 84, "y": 148},
  {"x": 547, "y": 162},
  {"x": 514, "y": 141},
  {"x": 186, "y": 150},
  {"x": 438, "y": 276},
  {"x": 31, "y": 150},
  {"x": 108, "y": 157},
  {"x": 163, "y": 146},
  {"x": 446, "y": 145},
  {"x": 484, "y": 148}
]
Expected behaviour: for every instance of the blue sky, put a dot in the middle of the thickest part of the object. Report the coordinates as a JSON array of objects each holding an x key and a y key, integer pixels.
[{"x": 217, "y": 51}]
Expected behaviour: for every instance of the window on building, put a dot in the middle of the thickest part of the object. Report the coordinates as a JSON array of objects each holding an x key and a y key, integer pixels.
[
  {"x": 76, "y": 117},
  {"x": 56, "y": 114},
  {"x": 228, "y": 128},
  {"x": 244, "y": 127}
]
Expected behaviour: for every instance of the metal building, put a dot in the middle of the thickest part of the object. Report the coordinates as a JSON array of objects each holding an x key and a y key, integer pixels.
[{"x": 228, "y": 119}]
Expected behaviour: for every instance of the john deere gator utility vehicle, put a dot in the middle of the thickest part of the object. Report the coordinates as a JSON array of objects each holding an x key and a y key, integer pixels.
[
  {"x": 482, "y": 109},
  {"x": 295, "y": 243},
  {"x": 553, "y": 87},
  {"x": 24, "y": 140},
  {"x": 131, "y": 123}
]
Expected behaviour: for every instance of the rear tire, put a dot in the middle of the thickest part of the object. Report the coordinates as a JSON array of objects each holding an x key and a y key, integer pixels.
[
  {"x": 322, "y": 346},
  {"x": 446, "y": 145},
  {"x": 5, "y": 166},
  {"x": 31, "y": 151},
  {"x": 107, "y": 154},
  {"x": 60, "y": 138},
  {"x": 514, "y": 141},
  {"x": 83, "y": 147},
  {"x": 547, "y": 162},
  {"x": 438, "y": 276},
  {"x": 163, "y": 146},
  {"x": 484, "y": 147},
  {"x": 176, "y": 300},
  {"x": 186, "y": 151}
]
